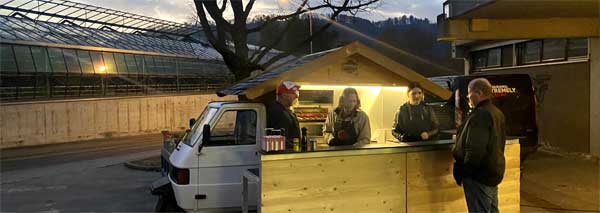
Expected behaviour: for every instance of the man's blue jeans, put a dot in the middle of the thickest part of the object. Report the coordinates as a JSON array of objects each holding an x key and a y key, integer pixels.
[{"x": 480, "y": 197}]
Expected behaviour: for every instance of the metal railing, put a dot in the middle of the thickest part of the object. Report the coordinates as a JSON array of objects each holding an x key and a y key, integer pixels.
[{"x": 48, "y": 87}]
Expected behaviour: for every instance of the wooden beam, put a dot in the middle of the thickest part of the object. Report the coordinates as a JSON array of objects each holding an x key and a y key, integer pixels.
[{"x": 495, "y": 29}]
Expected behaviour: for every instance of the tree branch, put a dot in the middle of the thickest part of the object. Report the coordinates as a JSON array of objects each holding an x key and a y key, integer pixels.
[
  {"x": 224, "y": 6},
  {"x": 326, "y": 4},
  {"x": 279, "y": 39},
  {"x": 218, "y": 43},
  {"x": 275, "y": 42},
  {"x": 249, "y": 8},
  {"x": 305, "y": 41},
  {"x": 215, "y": 13}
]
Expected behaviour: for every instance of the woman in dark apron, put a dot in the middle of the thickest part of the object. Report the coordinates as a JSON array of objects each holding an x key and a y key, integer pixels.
[
  {"x": 347, "y": 124},
  {"x": 415, "y": 121}
]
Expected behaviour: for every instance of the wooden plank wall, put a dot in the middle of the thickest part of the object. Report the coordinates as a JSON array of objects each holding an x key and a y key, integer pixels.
[
  {"x": 401, "y": 182},
  {"x": 364, "y": 183},
  {"x": 431, "y": 186}
]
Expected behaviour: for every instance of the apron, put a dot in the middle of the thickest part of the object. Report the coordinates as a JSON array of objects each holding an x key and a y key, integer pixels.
[{"x": 344, "y": 134}]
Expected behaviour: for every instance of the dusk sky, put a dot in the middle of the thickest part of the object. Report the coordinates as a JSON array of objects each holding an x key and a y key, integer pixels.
[{"x": 182, "y": 10}]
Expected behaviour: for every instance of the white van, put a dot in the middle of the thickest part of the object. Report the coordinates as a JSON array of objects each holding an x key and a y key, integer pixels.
[{"x": 203, "y": 172}]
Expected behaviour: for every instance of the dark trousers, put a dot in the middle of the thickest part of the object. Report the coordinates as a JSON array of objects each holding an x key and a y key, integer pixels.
[{"x": 480, "y": 197}]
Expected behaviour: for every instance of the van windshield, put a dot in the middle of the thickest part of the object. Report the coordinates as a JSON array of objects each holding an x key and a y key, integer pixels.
[{"x": 192, "y": 137}]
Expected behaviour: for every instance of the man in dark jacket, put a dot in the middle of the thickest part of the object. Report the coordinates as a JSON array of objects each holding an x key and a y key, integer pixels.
[
  {"x": 479, "y": 150},
  {"x": 279, "y": 115}
]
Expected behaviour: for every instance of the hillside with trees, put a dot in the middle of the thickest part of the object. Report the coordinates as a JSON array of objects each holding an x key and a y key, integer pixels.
[{"x": 407, "y": 39}]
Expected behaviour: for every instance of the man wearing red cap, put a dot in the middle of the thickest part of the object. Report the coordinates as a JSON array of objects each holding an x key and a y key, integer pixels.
[{"x": 279, "y": 115}]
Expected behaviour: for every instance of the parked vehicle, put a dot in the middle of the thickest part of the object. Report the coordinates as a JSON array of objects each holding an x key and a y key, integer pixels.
[
  {"x": 203, "y": 170},
  {"x": 513, "y": 94}
]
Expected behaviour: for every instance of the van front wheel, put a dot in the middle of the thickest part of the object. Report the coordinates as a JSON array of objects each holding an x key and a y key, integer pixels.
[{"x": 167, "y": 203}]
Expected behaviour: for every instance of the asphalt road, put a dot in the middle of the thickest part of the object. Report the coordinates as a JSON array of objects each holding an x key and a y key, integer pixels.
[{"x": 78, "y": 177}]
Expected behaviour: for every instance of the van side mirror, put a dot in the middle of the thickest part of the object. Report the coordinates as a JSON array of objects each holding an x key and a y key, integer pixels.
[
  {"x": 192, "y": 122},
  {"x": 205, "y": 136}
]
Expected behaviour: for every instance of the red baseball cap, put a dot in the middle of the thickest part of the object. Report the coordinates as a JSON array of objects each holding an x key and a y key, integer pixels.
[{"x": 288, "y": 87}]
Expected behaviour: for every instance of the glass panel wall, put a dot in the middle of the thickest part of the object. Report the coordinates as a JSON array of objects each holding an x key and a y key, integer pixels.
[
  {"x": 42, "y": 62},
  {"x": 85, "y": 61},
  {"x": 72, "y": 61},
  {"x": 57, "y": 60},
  {"x": 98, "y": 62},
  {"x": 24, "y": 59},
  {"x": 109, "y": 63},
  {"x": 35, "y": 72},
  {"x": 7, "y": 59}
]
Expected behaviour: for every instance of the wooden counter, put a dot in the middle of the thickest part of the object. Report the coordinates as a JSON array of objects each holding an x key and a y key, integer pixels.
[{"x": 376, "y": 178}]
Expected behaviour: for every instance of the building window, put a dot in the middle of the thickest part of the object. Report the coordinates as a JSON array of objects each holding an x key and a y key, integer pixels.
[
  {"x": 109, "y": 61},
  {"x": 507, "y": 56},
  {"x": 577, "y": 47},
  {"x": 120, "y": 62},
  {"x": 554, "y": 49},
  {"x": 479, "y": 59},
  {"x": 85, "y": 61},
  {"x": 141, "y": 66},
  {"x": 40, "y": 56},
  {"x": 170, "y": 66},
  {"x": 494, "y": 57},
  {"x": 57, "y": 61},
  {"x": 132, "y": 65},
  {"x": 24, "y": 59},
  {"x": 71, "y": 61},
  {"x": 98, "y": 63},
  {"x": 150, "y": 65},
  {"x": 532, "y": 52},
  {"x": 7, "y": 59}
]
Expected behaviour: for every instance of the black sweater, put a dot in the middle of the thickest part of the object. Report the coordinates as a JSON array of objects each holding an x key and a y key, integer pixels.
[{"x": 412, "y": 120}]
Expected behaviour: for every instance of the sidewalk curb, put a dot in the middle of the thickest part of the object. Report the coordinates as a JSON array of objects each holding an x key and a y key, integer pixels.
[{"x": 130, "y": 164}]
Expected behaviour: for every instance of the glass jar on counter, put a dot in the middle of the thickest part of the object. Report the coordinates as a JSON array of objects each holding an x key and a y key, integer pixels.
[{"x": 296, "y": 144}]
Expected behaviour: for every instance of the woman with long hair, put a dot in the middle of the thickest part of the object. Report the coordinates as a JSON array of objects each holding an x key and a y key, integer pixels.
[{"x": 347, "y": 124}]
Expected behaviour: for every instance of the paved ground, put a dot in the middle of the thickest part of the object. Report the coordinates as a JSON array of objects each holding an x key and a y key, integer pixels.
[
  {"x": 560, "y": 183},
  {"x": 90, "y": 176},
  {"x": 87, "y": 176}
]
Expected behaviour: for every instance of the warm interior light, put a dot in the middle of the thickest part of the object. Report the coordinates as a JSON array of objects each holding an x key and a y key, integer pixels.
[
  {"x": 102, "y": 69},
  {"x": 325, "y": 87},
  {"x": 379, "y": 102}
]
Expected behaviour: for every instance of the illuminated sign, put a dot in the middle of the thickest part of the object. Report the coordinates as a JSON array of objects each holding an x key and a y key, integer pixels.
[{"x": 502, "y": 90}]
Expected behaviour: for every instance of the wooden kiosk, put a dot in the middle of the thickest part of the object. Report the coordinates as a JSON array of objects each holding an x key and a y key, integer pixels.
[{"x": 384, "y": 176}]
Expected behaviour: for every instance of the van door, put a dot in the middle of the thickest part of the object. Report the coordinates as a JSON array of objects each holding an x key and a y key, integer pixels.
[{"x": 231, "y": 150}]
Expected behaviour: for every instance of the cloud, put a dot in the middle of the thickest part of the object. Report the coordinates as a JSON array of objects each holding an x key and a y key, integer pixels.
[{"x": 184, "y": 10}]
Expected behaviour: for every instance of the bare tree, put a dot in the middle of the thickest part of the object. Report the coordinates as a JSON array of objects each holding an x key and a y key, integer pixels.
[{"x": 230, "y": 38}]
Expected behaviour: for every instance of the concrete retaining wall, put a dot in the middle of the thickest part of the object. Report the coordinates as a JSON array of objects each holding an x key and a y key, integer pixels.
[
  {"x": 563, "y": 93},
  {"x": 37, "y": 123}
]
